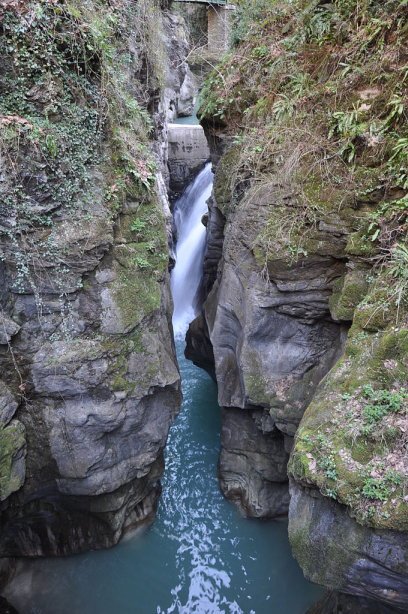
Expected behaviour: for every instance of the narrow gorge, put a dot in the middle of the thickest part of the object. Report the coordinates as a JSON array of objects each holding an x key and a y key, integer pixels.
[{"x": 204, "y": 288}]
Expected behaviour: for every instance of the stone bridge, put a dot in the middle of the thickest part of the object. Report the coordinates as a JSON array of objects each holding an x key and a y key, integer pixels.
[{"x": 219, "y": 19}]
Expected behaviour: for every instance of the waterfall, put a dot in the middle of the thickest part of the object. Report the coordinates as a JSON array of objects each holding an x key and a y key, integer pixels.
[{"x": 186, "y": 275}]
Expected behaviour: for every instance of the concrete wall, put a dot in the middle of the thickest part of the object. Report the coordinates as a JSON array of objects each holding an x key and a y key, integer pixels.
[
  {"x": 188, "y": 151},
  {"x": 219, "y": 25}
]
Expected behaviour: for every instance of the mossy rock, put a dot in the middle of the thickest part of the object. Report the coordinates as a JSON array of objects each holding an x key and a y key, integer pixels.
[
  {"x": 136, "y": 291},
  {"x": 12, "y": 458},
  {"x": 227, "y": 170},
  {"x": 377, "y": 310},
  {"x": 348, "y": 292},
  {"x": 359, "y": 244},
  {"x": 349, "y": 445}
]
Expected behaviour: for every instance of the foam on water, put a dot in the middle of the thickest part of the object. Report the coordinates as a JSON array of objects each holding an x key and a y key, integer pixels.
[
  {"x": 199, "y": 556},
  {"x": 186, "y": 275}
]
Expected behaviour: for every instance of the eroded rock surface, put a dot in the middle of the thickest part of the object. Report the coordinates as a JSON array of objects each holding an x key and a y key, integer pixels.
[
  {"x": 252, "y": 463},
  {"x": 335, "y": 550},
  {"x": 90, "y": 383},
  {"x": 269, "y": 326}
]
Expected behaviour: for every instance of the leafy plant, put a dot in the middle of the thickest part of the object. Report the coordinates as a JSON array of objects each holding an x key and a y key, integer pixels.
[
  {"x": 400, "y": 158},
  {"x": 399, "y": 271},
  {"x": 138, "y": 225},
  {"x": 317, "y": 25},
  {"x": 376, "y": 489},
  {"x": 381, "y": 402},
  {"x": 283, "y": 107},
  {"x": 328, "y": 465},
  {"x": 381, "y": 488},
  {"x": 346, "y": 125},
  {"x": 396, "y": 108},
  {"x": 141, "y": 262}
]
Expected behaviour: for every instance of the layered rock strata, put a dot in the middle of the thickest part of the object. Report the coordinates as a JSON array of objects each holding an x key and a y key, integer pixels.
[
  {"x": 306, "y": 312},
  {"x": 269, "y": 326},
  {"x": 90, "y": 383}
]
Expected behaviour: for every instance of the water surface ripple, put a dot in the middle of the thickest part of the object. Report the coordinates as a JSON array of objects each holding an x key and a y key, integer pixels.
[{"x": 198, "y": 557}]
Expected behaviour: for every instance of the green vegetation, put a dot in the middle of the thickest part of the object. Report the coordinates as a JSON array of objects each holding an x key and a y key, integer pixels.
[
  {"x": 381, "y": 489},
  {"x": 380, "y": 403},
  {"x": 314, "y": 98},
  {"x": 352, "y": 438},
  {"x": 73, "y": 121}
]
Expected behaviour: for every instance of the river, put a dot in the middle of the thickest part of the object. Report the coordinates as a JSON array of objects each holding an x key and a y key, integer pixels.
[{"x": 199, "y": 556}]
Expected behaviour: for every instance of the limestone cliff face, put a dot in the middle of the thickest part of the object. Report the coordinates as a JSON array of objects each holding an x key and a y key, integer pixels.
[
  {"x": 89, "y": 380},
  {"x": 271, "y": 334},
  {"x": 305, "y": 315}
]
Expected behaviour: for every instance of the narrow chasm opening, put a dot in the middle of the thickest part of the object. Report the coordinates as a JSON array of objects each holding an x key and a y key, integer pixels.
[
  {"x": 189, "y": 213},
  {"x": 227, "y": 562},
  {"x": 200, "y": 555}
]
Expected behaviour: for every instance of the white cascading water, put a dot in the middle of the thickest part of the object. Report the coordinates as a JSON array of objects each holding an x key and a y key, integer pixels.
[{"x": 186, "y": 275}]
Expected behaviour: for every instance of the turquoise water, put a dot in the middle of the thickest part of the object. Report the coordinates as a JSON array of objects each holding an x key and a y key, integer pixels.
[
  {"x": 200, "y": 556},
  {"x": 191, "y": 120}
]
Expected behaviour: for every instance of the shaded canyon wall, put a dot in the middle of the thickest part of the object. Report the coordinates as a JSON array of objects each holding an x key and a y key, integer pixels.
[
  {"x": 89, "y": 383},
  {"x": 304, "y": 332}
]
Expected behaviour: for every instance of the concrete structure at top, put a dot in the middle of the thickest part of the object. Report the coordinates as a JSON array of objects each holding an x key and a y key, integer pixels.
[
  {"x": 188, "y": 152},
  {"x": 219, "y": 21}
]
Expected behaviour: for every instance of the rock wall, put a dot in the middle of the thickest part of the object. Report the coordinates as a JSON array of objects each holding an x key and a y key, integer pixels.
[
  {"x": 271, "y": 334},
  {"x": 349, "y": 556},
  {"x": 195, "y": 16},
  {"x": 304, "y": 322},
  {"x": 90, "y": 383}
]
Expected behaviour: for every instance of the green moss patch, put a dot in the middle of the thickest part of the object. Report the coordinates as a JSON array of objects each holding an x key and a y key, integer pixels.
[{"x": 12, "y": 444}]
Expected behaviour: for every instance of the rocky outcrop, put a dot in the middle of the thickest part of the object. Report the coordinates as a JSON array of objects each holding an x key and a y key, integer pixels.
[
  {"x": 269, "y": 326},
  {"x": 358, "y": 462},
  {"x": 335, "y": 550},
  {"x": 180, "y": 85},
  {"x": 306, "y": 313},
  {"x": 252, "y": 465},
  {"x": 90, "y": 383}
]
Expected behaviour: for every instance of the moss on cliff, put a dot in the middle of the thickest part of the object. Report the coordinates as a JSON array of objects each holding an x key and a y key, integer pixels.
[
  {"x": 82, "y": 231},
  {"x": 348, "y": 292},
  {"x": 68, "y": 107},
  {"x": 12, "y": 445},
  {"x": 72, "y": 118},
  {"x": 314, "y": 97},
  {"x": 315, "y": 100},
  {"x": 352, "y": 440}
]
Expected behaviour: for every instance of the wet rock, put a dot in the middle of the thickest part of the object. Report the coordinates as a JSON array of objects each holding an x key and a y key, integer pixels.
[
  {"x": 252, "y": 464},
  {"x": 338, "y": 603},
  {"x": 198, "y": 346},
  {"x": 336, "y": 551}
]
